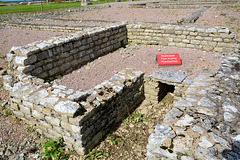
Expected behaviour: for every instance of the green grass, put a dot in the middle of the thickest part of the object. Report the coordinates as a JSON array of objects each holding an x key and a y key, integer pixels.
[
  {"x": 37, "y": 7},
  {"x": 46, "y": 7}
]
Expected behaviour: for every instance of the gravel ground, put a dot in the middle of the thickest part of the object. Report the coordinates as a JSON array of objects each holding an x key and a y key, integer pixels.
[
  {"x": 20, "y": 37},
  {"x": 141, "y": 58}
]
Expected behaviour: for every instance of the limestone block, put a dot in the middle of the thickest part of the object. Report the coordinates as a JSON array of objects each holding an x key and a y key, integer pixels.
[
  {"x": 42, "y": 55},
  {"x": 25, "y": 110},
  {"x": 156, "y": 146},
  {"x": 53, "y": 71},
  {"x": 20, "y": 61},
  {"x": 67, "y": 107},
  {"x": 211, "y": 30},
  {"x": 217, "y": 39},
  {"x": 172, "y": 115},
  {"x": 229, "y": 117},
  {"x": 185, "y": 121},
  {"x": 183, "y": 145},
  {"x": 219, "y": 140},
  {"x": 37, "y": 71},
  {"x": 52, "y": 120},
  {"x": 38, "y": 96},
  {"x": 193, "y": 33},
  {"x": 19, "y": 114},
  {"x": 37, "y": 115},
  {"x": 190, "y": 46}
]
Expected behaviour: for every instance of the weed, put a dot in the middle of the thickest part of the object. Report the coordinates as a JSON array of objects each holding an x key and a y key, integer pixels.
[
  {"x": 96, "y": 155},
  {"x": 53, "y": 149},
  {"x": 30, "y": 128},
  {"x": 59, "y": 77},
  {"x": 112, "y": 140},
  {"x": 135, "y": 118},
  {"x": 8, "y": 112},
  {"x": 138, "y": 43},
  {"x": 3, "y": 57},
  {"x": 2, "y": 107},
  {"x": 116, "y": 141},
  {"x": 1, "y": 85},
  {"x": 47, "y": 80}
]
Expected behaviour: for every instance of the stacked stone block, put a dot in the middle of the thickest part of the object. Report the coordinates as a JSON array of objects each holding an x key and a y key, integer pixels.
[
  {"x": 204, "y": 124},
  {"x": 81, "y": 118},
  {"x": 215, "y": 39},
  {"x": 61, "y": 55},
  {"x": 157, "y": 85}
]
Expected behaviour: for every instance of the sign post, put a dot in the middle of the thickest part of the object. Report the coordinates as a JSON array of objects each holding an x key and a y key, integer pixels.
[{"x": 168, "y": 59}]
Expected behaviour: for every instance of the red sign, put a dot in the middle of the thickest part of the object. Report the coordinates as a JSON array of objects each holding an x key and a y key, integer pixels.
[{"x": 168, "y": 59}]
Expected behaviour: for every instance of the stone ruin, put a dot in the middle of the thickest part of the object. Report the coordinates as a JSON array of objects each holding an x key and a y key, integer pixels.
[{"x": 203, "y": 124}]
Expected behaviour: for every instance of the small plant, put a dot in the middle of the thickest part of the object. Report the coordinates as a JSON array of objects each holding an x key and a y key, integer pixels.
[
  {"x": 138, "y": 43},
  {"x": 135, "y": 118},
  {"x": 112, "y": 140},
  {"x": 59, "y": 77},
  {"x": 3, "y": 57},
  {"x": 92, "y": 155},
  {"x": 1, "y": 85},
  {"x": 30, "y": 128},
  {"x": 116, "y": 141},
  {"x": 8, "y": 112},
  {"x": 47, "y": 80},
  {"x": 53, "y": 149}
]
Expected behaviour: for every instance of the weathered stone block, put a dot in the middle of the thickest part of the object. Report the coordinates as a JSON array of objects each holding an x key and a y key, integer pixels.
[{"x": 52, "y": 120}]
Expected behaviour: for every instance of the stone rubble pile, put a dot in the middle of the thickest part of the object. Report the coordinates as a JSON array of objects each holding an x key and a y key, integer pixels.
[{"x": 204, "y": 124}]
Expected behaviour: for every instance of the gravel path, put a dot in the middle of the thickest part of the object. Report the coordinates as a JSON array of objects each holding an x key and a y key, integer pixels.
[
  {"x": 20, "y": 37},
  {"x": 143, "y": 59}
]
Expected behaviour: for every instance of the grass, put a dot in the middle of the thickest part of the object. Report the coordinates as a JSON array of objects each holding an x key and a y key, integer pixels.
[
  {"x": 92, "y": 155},
  {"x": 7, "y": 112},
  {"x": 3, "y": 57},
  {"x": 37, "y": 7},
  {"x": 46, "y": 6}
]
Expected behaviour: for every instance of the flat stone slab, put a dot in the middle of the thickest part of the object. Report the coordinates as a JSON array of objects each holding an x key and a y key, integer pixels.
[{"x": 170, "y": 76}]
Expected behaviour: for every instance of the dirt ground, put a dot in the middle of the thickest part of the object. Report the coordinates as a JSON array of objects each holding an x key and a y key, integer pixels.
[{"x": 130, "y": 138}]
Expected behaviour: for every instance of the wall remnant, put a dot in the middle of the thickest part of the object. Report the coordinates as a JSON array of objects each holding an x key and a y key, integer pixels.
[
  {"x": 214, "y": 39},
  {"x": 204, "y": 124},
  {"x": 193, "y": 128}
]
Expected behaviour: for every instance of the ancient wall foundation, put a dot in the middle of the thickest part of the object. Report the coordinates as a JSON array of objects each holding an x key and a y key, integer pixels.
[
  {"x": 84, "y": 118},
  {"x": 61, "y": 55},
  {"x": 204, "y": 123},
  {"x": 209, "y": 39}
]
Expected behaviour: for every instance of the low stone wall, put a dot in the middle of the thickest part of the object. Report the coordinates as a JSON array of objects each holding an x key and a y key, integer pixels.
[
  {"x": 209, "y": 39},
  {"x": 81, "y": 118},
  {"x": 204, "y": 124},
  {"x": 61, "y": 55},
  {"x": 43, "y": 27},
  {"x": 157, "y": 85},
  {"x": 191, "y": 129}
]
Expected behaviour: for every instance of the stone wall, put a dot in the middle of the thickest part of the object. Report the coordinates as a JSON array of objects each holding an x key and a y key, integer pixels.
[
  {"x": 192, "y": 129},
  {"x": 157, "y": 85},
  {"x": 204, "y": 124},
  {"x": 215, "y": 39},
  {"x": 81, "y": 118},
  {"x": 61, "y": 55}
]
